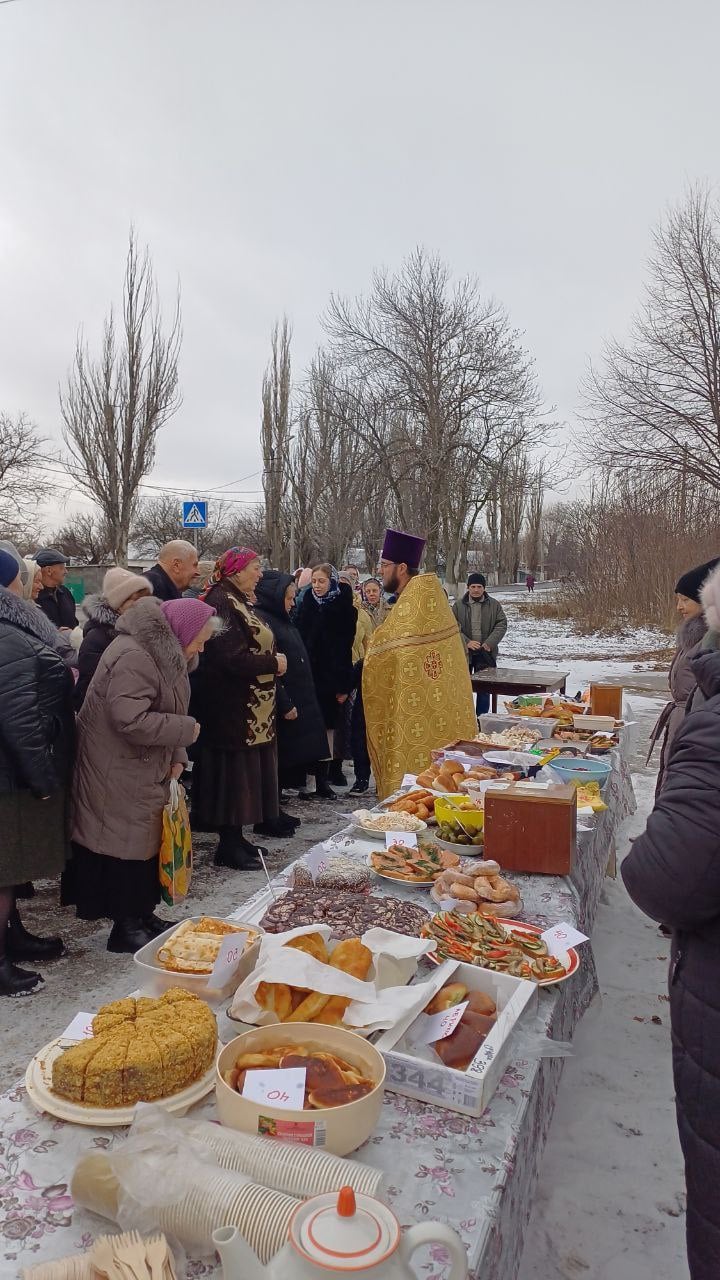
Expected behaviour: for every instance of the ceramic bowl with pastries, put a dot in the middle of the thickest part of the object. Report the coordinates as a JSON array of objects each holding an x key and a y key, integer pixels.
[{"x": 344, "y": 1085}]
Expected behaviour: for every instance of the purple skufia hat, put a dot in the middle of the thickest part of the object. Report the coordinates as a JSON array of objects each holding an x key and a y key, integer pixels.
[{"x": 403, "y": 548}]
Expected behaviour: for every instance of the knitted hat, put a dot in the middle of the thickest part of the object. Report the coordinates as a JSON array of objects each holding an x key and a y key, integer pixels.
[
  {"x": 22, "y": 565},
  {"x": 477, "y": 580},
  {"x": 9, "y": 569},
  {"x": 403, "y": 548},
  {"x": 119, "y": 585},
  {"x": 186, "y": 618},
  {"x": 690, "y": 583},
  {"x": 47, "y": 556},
  {"x": 305, "y": 579}
]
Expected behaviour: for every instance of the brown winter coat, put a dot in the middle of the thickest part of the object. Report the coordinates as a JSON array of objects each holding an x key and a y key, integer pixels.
[{"x": 132, "y": 728}]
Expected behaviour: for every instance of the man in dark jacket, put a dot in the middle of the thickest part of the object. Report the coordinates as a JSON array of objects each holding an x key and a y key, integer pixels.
[
  {"x": 177, "y": 566},
  {"x": 55, "y": 600},
  {"x": 482, "y": 624},
  {"x": 673, "y": 874}
]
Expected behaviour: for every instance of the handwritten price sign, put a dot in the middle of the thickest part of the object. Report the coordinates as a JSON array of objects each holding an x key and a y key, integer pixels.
[
  {"x": 437, "y": 1026},
  {"x": 227, "y": 960},
  {"x": 80, "y": 1028},
  {"x": 562, "y": 936},
  {"x": 408, "y": 838},
  {"x": 279, "y": 1088},
  {"x": 316, "y": 861}
]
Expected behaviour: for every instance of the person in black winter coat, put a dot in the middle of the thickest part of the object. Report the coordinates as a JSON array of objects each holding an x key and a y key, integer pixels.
[
  {"x": 176, "y": 569},
  {"x": 673, "y": 874},
  {"x": 121, "y": 590},
  {"x": 326, "y": 620},
  {"x": 55, "y": 599},
  {"x": 37, "y": 729},
  {"x": 302, "y": 739}
]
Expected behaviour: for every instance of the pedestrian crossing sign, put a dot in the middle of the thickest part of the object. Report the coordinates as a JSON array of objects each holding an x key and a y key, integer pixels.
[{"x": 194, "y": 514}]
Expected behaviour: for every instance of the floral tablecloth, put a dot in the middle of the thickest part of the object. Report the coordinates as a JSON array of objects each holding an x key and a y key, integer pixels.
[{"x": 476, "y": 1174}]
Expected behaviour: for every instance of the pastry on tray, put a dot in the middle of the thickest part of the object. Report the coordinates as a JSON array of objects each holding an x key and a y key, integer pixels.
[
  {"x": 194, "y": 945},
  {"x": 140, "y": 1050}
]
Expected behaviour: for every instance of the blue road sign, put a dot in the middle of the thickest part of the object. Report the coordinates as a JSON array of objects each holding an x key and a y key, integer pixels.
[{"x": 194, "y": 514}]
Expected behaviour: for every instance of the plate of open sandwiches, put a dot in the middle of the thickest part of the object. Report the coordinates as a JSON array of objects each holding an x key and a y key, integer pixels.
[
  {"x": 508, "y": 946},
  {"x": 420, "y": 865}
]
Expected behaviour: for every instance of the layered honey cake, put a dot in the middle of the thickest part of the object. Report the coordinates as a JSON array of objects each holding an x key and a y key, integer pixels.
[{"x": 140, "y": 1050}]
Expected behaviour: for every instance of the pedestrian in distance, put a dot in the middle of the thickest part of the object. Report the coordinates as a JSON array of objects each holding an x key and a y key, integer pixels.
[
  {"x": 530, "y": 583},
  {"x": 176, "y": 569},
  {"x": 235, "y": 773},
  {"x": 133, "y": 733},
  {"x": 37, "y": 732},
  {"x": 55, "y": 599},
  {"x": 327, "y": 621},
  {"x": 482, "y": 624}
]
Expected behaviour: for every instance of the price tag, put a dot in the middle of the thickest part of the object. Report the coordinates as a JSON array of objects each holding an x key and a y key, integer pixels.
[
  {"x": 562, "y": 936},
  {"x": 409, "y": 780},
  {"x": 408, "y": 838},
  {"x": 284, "y": 1089},
  {"x": 80, "y": 1028},
  {"x": 316, "y": 860},
  {"x": 227, "y": 959},
  {"x": 437, "y": 1026}
]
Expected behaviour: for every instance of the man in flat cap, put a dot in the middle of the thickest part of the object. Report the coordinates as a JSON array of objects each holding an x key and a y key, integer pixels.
[
  {"x": 54, "y": 599},
  {"x": 416, "y": 683}
]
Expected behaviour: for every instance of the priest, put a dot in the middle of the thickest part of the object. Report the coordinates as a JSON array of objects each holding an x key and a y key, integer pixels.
[{"x": 416, "y": 684}]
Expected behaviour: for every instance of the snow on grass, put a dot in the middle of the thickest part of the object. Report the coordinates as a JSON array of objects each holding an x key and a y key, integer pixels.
[{"x": 546, "y": 639}]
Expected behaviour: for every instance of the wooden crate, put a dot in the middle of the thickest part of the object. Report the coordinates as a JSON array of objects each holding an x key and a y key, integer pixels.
[
  {"x": 531, "y": 832},
  {"x": 606, "y": 700}
]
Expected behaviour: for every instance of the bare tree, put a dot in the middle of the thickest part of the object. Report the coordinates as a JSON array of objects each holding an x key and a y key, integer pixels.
[
  {"x": 441, "y": 371},
  {"x": 85, "y": 538},
  {"x": 534, "y": 506},
  {"x": 21, "y": 487},
  {"x": 114, "y": 405},
  {"x": 656, "y": 397},
  {"x": 275, "y": 438},
  {"x": 159, "y": 520}
]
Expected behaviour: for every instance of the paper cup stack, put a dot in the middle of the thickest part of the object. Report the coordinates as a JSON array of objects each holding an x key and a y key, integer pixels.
[
  {"x": 219, "y": 1198},
  {"x": 284, "y": 1166}
]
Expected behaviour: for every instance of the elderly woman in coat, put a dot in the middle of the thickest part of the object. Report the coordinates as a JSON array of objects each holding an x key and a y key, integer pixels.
[
  {"x": 681, "y": 676},
  {"x": 37, "y": 733},
  {"x": 235, "y": 778},
  {"x": 120, "y": 591},
  {"x": 327, "y": 621},
  {"x": 133, "y": 731},
  {"x": 673, "y": 874}
]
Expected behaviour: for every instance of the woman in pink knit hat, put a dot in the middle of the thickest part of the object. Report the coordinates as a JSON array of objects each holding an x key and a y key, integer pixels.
[{"x": 133, "y": 733}]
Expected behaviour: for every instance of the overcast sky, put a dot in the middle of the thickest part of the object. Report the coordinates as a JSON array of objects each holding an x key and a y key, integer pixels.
[{"x": 274, "y": 151}]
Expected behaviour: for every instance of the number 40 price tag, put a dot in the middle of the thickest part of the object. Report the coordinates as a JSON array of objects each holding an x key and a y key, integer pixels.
[
  {"x": 281, "y": 1088},
  {"x": 227, "y": 959}
]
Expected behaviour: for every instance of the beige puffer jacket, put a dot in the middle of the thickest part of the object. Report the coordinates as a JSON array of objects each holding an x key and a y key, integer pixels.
[{"x": 132, "y": 728}]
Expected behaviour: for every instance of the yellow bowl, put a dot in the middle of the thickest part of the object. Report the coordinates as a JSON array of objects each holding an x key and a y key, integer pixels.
[
  {"x": 446, "y": 811},
  {"x": 336, "y": 1129}
]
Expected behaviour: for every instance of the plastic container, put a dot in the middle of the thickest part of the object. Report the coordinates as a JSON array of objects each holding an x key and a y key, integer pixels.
[
  {"x": 336, "y": 1129},
  {"x": 498, "y": 724},
  {"x": 581, "y": 769},
  {"x": 595, "y": 723},
  {"x": 156, "y": 979}
]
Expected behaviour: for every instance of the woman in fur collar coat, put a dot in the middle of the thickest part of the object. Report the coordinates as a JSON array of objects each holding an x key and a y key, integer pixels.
[
  {"x": 681, "y": 676},
  {"x": 36, "y": 750},
  {"x": 133, "y": 731},
  {"x": 121, "y": 590}
]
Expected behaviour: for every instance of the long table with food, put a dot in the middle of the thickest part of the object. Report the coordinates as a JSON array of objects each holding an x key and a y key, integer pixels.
[{"x": 326, "y": 951}]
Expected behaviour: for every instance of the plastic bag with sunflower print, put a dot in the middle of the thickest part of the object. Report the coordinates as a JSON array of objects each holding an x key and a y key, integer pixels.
[{"x": 175, "y": 848}]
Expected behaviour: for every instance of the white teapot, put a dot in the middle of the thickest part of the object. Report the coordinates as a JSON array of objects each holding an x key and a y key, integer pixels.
[{"x": 333, "y": 1235}]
